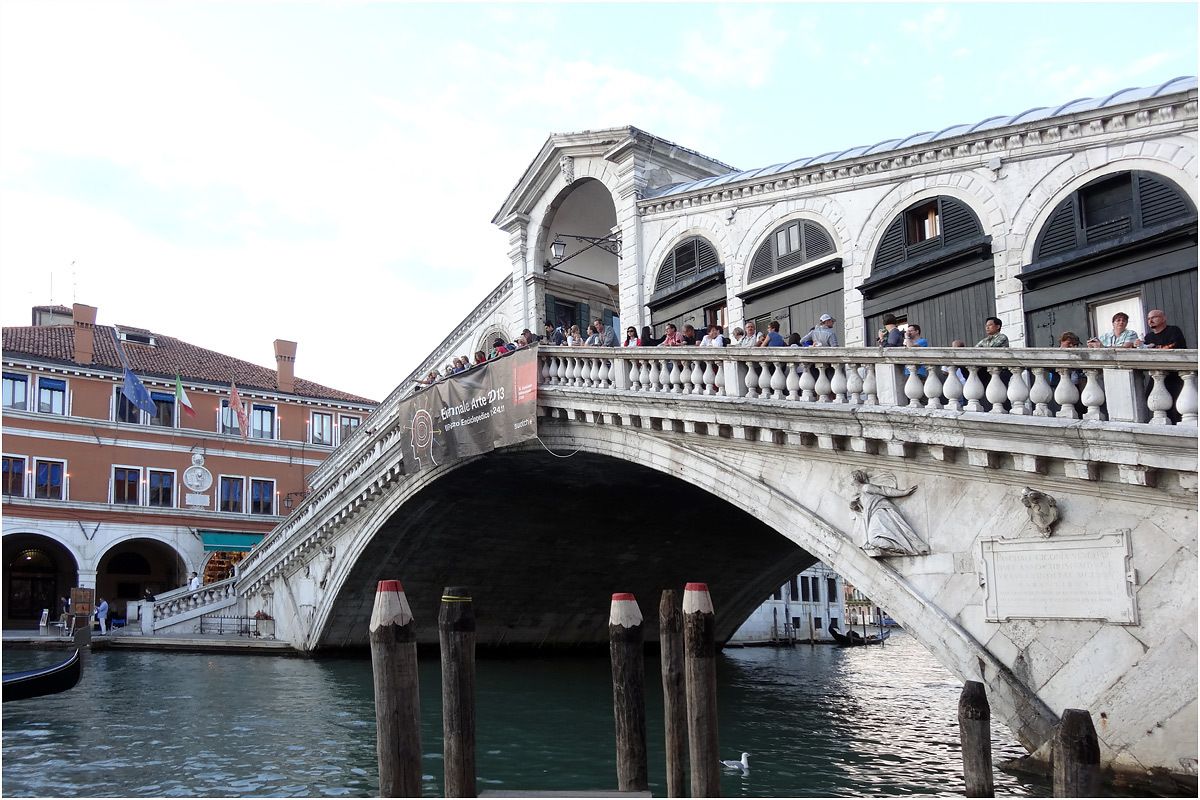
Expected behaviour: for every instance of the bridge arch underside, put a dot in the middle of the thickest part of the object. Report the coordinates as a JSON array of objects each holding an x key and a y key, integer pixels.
[{"x": 543, "y": 542}]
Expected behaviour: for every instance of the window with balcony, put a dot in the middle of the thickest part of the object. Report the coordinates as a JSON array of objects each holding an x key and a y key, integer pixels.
[
  {"x": 160, "y": 488},
  {"x": 52, "y": 396},
  {"x": 49, "y": 479},
  {"x": 164, "y": 409},
  {"x": 322, "y": 428},
  {"x": 230, "y": 497},
  {"x": 349, "y": 426},
  {"x": 126, "y": 483},
  {"x": 262, "y": 421},
  {"x": 262, "y": 496},
  {"x": 14, "y": 476},
  {"x": 16, "y": 391}
]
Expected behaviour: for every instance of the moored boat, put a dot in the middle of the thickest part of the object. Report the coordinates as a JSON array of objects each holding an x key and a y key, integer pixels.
[
  {"x": 855, "y": 639},
  {"x": 39, "y": 682}
]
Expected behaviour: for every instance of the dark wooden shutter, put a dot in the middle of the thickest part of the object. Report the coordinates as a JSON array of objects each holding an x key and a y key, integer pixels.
[
  {"x": 550, "y": 308},
  {"x": 666, "y": 273},
  {"x": 1160, "y": 201},
  {"x": 762, "y": 265},
  {"x": 958, "y": 223},
  {"x": 1061, "y": 232},
  {"x": 685, "y": 260},
  {"x": 891, "y": 247},
  {"x": 817, "y": 241},
  {"x": 706, "y": 255}
]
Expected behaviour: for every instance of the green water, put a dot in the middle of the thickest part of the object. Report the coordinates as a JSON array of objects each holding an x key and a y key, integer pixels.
[{"x": 817, "y": 722}]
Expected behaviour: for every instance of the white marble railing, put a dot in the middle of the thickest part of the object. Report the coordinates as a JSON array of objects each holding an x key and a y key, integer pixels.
[
  {"x": 181, "y": 601},
  {"x": 1156, "y": 387}
]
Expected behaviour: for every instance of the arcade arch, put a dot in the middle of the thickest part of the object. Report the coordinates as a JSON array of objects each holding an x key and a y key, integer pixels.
[
  {"x": 132, "y": 567},
  {"x": 38, "y": 572},
  {"x": 584, "y": 283}
]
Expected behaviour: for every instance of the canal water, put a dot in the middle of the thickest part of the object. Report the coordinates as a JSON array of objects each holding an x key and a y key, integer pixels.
[{"x": 817, "y": 721}]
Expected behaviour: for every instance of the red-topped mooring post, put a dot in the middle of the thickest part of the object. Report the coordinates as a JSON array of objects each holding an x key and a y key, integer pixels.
[
  {"x": 629, "y": 692},
  {"x": 700, "y": 655},
  {"x": 397, "y": 697}
]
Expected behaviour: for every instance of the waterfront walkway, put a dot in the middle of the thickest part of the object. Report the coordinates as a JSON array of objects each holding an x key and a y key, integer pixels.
[{"x": 34, "y": 639}]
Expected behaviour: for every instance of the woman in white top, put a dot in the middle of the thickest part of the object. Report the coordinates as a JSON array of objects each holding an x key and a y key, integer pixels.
[{"x": 573, "y": 337}]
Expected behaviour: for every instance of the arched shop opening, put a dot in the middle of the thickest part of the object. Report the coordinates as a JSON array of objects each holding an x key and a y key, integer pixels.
[
  {"x": 224, "y": 550},
  {"x": 933, "y": 267},
  {"x": 795, "y": 277},
  {"x": 134, "y": 567},
  {"x": 38, "y": 572},
  {"x": 689, "y": 289},
  {"x": 579, "y": 250}
]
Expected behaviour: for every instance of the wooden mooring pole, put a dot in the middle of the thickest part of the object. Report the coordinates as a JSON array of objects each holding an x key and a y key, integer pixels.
[
  {"x": 975, "y": 733},
  {"x": 700, "y": 651},
  {"x": 629, "y": 692},
  {"x": 397, "y": 699},
  {"x": 670, "y": 640},
  {"x": 456, "y": 633},
  {"x": 1076, "y": 754}
]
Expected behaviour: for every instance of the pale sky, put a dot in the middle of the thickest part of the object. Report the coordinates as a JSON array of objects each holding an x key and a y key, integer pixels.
[{"x": 231, "y": 173}]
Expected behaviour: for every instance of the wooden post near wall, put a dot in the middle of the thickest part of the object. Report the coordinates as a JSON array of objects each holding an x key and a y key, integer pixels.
[
  {"x": 629, "y": 692},
  {"x": 670, "y": 640},
  {"x": 699, "y": 646},
  {"x": 397, "y": 699},
  {"x": 975, "y": 733},
  {"x": 456, "y": 633},
  {"x": 1076, "y": 754}
]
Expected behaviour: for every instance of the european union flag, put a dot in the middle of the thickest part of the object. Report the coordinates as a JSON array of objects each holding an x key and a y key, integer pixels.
[{"x": 136, "y": 393}]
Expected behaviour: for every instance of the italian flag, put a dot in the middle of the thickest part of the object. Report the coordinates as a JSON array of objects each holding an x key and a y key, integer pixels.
[{"x": 182, "y": 398}]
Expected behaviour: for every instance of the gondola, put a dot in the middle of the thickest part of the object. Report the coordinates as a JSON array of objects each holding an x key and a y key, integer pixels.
[
  {"x": 855, "y": 639},
  {"x": 38, "y": 682}
]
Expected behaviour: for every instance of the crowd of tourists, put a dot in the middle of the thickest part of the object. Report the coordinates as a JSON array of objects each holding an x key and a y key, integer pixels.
[{"x": 894, "y": 333}]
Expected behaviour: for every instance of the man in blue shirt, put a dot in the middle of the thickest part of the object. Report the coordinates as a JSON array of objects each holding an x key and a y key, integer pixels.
[{"x": 773, "y": 337}]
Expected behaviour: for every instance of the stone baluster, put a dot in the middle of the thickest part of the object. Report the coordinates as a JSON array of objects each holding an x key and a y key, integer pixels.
[
  {"x": 640, "y": 375},
  {"x": 914, "y": 390},
  {"x": 578, "y": 371},
  {"x": 673, "y": 377},
  {"x": 697, "y": 378},
  {"x": 854, "y": 384},
  {"x": 838, "y": 383},
  {"x": 1018, "y": 393},
  {"x": 602, "y": 376},
  {"x": 808, "y": 383},
  {"x": 652, "y": 375},
  {"x": 764, "y": 380},
  {"x": 562, "y": 371},
  {"x": 997, "y": 392},
  {"x": 1041, "y": 394},
  {"x": 1093, "y": 395},
  {"x": 682, "y": 374},
  {"x": 597, "y": 365},
  {"x": 870, "y": 387},
  {"x": 779, "y": 379},
  {"x": 751, "y": 380},
  {"x": 793, "y": 380},
  {"x": 586, "y": 368},
  {"x": 973, "y": 390},
  {"x": 1067, "y": 395},
  {"x": 933, "y": 386},
  {"x": 1159, "y": 400},
  {"x": 822, "y": 387},
  {"x": 709, "y": 377},
  {"x": 545, "y": 372},
  {"x": 952, "y": 388},
  {"x": 719, "y": 377},
  {"x": 1185, "y": 404}
]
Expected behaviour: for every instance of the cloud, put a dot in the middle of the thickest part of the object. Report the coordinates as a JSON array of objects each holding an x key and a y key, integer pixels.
[
  {"x": 744, "y": 47},
  {"x": 933, "y": 29}
]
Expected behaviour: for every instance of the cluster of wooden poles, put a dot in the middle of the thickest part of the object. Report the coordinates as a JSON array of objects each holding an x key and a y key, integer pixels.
[{"x": 688, "y": 656}]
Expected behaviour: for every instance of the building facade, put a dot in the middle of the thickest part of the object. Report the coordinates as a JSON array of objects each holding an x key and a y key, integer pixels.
[
  {"x": 101, "y": 494},
  {"x": 800, "y": 610}
]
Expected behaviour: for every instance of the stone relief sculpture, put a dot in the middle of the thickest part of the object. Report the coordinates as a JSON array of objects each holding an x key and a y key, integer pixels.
[
  {"x": 1043, "y": 510},
  {"x": 566, "y": 165},
  {"x": 883, "y": 528}
]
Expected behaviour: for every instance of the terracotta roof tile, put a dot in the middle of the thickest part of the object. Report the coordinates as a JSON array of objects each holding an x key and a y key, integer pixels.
[{"x": 171, "y": 355}]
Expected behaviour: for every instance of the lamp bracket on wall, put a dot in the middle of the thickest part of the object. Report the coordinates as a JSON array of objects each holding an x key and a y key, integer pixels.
[{"x": 558, "y": 248}]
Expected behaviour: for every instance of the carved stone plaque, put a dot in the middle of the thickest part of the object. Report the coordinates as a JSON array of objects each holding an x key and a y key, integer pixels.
[
  {"x": 1076, "y": 577},
  {"x": 196, "y": 499}
]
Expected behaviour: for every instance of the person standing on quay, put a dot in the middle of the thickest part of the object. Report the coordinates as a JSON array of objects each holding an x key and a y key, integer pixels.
[{"x": 102, "y": 615}]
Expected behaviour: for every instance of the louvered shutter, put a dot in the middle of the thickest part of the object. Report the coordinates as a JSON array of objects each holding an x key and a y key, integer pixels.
[
  {"x": 761, "y": 266},
  {"x": 706, "y": 255},
  {"x": 891, "y": 247},
  {"x": 817, "y": 241},
  {"x": 666, "y": 273},
  {"x": 1060, "y": 234},
  {"x": 685, "y": 260},
  {"x": 1160, "y": 201},
  {"x": 958, "y": 223}
]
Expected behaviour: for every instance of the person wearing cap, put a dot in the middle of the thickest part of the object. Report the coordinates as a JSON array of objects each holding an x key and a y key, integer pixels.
[
  {"x": 822, "y": 334},
  {"x": 890, "y": 335}
]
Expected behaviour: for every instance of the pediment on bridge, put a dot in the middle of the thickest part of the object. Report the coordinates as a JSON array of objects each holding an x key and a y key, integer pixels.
[{"x": 663, "y": 163}]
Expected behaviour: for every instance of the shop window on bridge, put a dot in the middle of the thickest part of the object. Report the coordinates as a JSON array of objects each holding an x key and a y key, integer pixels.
[
  {"x": 14, "y": 476},
  {"x": 16, "y": 391},
  {"x": 126, "y": 482},
  {"x": 48, "y": 479}
]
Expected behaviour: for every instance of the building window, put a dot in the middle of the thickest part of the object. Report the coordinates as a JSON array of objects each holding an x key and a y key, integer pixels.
[
  {"x": 229, "y": 420},
  {"x": 686, "y": 261},
  {"x": 322, "y": 428},
  {"x": 161, "y": 489},
  {"x": 816, "y": 623},
  {"x": 52, "y": 396},
  {"x": 778, "y": 595},
  {"x": 231, "y": 494},
  {"x": 164, "y": 409},
  {"x": 923, "y": 222},
  {"x": 14, "y": 476},
  {"x": 48, "y": 479},
  {"x": 262, "y": 422},
  {"x": 125, "y": 411},
  {"x": 262, "y": 496},
  {"x": 795, "y": 243},
  {"x": 349, "y": 426},
  {"x": 794, "y": 589},
  {"x": 126, "y": 481},
  {"x": 831, "y": 588},
  {"x": 16, "y": 391},
  {"x": 805, "y": 594}
]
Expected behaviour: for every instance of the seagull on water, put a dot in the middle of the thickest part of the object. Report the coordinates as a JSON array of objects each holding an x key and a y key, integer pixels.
[{"x": 743, "y": 765}]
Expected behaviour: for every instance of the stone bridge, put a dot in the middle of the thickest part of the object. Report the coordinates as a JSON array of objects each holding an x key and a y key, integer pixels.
[{"x": 738, "y": 467}]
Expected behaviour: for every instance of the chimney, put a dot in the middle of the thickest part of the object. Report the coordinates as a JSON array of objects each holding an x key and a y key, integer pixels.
[
  {"x": 285, "y": 366},
  {"x": 84, "y": 318}
]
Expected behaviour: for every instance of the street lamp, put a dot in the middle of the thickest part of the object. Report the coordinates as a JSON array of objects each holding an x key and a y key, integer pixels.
[{"x": 609, "y": 244}]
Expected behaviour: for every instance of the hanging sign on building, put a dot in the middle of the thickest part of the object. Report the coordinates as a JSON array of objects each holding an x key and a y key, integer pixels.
[{"x": 489, "y": 406}]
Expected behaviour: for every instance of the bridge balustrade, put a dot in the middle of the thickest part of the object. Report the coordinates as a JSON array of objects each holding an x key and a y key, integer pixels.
[
  {"x": 1155, "y": 387},
  {"x": 181, "y": 601}
]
